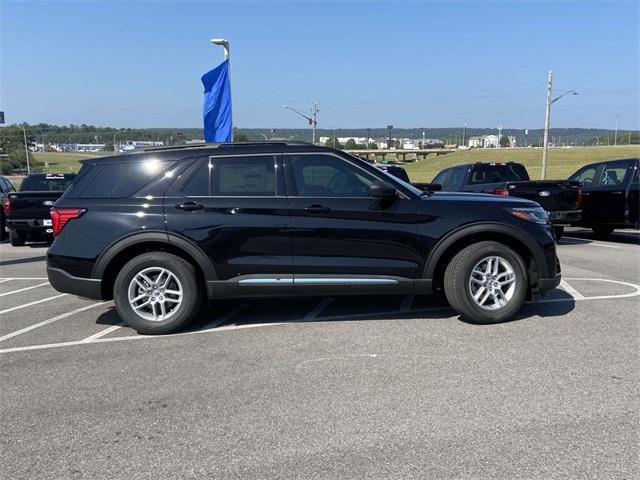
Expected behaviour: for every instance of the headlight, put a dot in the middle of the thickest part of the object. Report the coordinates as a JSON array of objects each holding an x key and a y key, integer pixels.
[{"x": 534, "y": 214}]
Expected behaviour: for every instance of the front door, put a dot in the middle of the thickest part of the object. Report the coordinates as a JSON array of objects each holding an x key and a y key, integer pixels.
[
  {"x": 343, "y": 236},
  {"x": 235, "y": 209}
]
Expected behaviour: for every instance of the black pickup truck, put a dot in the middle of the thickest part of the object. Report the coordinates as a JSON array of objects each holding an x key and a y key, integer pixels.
[
  {"x": 27, "y": 210},
  {"x": 560, "y": 198},
  {"x": 611, "y": 198}
]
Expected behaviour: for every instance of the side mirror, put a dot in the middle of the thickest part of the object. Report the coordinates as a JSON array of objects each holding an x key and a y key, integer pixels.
[{"x": 382, "y": 189}]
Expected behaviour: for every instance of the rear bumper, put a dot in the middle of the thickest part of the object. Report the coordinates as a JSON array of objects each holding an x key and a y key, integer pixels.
[
  {"x": 66, "y": 283},
  {"x": 565, "y": 217},
  {"x": 31, "y": 225}
]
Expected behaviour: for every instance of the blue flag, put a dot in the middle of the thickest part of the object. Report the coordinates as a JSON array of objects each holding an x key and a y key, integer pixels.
[{"x": 218, "y": 126}]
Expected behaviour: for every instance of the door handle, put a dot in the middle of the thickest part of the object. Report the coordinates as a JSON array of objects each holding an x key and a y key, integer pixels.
[
  {"x": 317, "y": 209},
  {"x": 616, "y": 193},
  {"x": 190, "y": 206}
]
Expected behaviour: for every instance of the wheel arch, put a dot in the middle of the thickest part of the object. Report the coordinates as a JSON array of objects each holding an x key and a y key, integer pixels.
[
  {"x": 117, "y": 254},
  {"x": 447, "y": 247}
]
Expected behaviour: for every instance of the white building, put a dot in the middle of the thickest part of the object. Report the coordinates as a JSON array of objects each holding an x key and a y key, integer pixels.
[{"x": 484, "y": 141}]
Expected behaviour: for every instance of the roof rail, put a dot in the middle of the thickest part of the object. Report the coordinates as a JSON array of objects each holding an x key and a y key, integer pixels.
[{"x": 226, "y": 145}]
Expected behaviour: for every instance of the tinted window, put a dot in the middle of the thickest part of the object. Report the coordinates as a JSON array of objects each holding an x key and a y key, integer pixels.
[
  {"x": 456, "y": 179},
  {"x": 55, "y": 183},
  {"x": 614, "y": 173},
  {"x": 120, "y": 180},
  {"x": 234, "y": 176},
  {"x": 441, "y": 178},
  {"x": 328, "y": 176},
  {"x": 585, "y": 175},
  {"x": 498, "y": 174}
]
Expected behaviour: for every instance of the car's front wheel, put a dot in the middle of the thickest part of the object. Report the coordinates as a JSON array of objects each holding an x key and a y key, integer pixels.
[
  {"x": 156, "y": 293},
  {"x": 486, "y": 282},
  {"x": 16, "y": 238}
]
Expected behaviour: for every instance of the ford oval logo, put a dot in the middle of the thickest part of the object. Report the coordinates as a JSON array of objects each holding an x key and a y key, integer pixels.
[
  {"x": 544, "y": 193},
  {"x": 48, "y": 203}
]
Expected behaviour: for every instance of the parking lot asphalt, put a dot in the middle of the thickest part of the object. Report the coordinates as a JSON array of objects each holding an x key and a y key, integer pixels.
[{"x": 331, "y": 388}]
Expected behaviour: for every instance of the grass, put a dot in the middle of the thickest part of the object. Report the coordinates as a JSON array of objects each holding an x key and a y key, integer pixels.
[
  {"x": 561, "y": 162},
  {"x": 63, "y": 162}
]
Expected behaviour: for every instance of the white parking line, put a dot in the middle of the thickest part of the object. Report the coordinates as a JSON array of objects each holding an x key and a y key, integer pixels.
[
  {"x": 406, "y": 304},
  {"x": 50, "y": 320},
  {"x": 104, "y": 332},
  {"x": 570, "y": 290},
  {"x": 6, "y": 279},
  {"x": 25, "y": 305},
  {"x": 209, "y": 329},
  {"x": 224, "y": 318},
  {"x": 24, "y": 289}
]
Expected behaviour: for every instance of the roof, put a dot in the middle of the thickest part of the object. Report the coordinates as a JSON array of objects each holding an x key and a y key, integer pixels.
[{"x": 178, "y": 152}]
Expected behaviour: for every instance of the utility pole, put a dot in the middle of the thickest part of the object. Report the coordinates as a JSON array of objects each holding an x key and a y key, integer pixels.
[
  {"x": 368, "y": 137},
  {"x": 26, "y": 149},
  {"x": 314, "y": 116},
  {"x": 499, "y": 134},
  {"x": 464, "y": 132},
  {"x": 547, "y": 119},
  {"x": 615, "y": 138}
]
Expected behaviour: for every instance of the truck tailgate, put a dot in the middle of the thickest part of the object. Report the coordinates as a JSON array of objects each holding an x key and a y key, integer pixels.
[
  {"x": 552, "y": 195},
  {"x": 31, "y": 205}
]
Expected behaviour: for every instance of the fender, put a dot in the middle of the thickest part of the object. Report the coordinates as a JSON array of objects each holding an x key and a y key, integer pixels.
[
  {"x": 156, "y": 236},
  {"x": 484, "y": 227}
]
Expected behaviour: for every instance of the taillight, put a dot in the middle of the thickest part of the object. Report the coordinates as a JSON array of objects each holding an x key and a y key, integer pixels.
[
  {"x": 61, "y": 216},
  {"x": 579, "y": 197},
  {"x": 501, "y": 191},
  {"x": 6, "y": 205}
]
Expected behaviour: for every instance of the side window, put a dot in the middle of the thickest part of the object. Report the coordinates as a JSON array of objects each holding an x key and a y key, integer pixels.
[
  {"x": 328, "y": 176},
  {"x": 234, "y": 177},
  {"x": 441, "y": 178},
  {"x": 121, "y": 180},
  {"x": 614, "y": 173},
  {"x": 456, "y": 179},
  {"x": 586, "y": 175}
]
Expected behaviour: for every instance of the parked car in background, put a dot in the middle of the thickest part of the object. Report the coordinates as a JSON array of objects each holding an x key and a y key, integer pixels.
[
  {"x": 610, "y": 192},
  {"x": 162, "y": 231},
  {"x": 560, "y": 198},
  {"x": 6, "y": 187},
  {"x": 402, "y": 174},
  {"x": 27, "y": 210}
]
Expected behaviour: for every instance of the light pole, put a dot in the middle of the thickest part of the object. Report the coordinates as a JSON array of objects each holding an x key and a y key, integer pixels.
[
  {"x": 615, "y": 139},
  {"x": 26, "y": 149},
  {"x": 225, "y": 45},
  {"x": 464, "y": 132},
  {"x": 313, "y": 119},
  {"x": 547, "y": 120}
]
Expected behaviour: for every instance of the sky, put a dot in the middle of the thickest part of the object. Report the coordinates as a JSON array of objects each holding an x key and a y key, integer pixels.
[{"x": 368, "y": 63}]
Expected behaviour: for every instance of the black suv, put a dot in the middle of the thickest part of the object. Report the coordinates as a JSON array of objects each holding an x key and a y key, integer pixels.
[{"x": 164, "y": 230}]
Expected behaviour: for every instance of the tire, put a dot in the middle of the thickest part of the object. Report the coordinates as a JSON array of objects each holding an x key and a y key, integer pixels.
[
  {"x": 602, "y": 231},
  {"x": 16, "y": 238},
  {"x": 178, "y": 313},
  {"x": 458, "y": 284},
  {"x": 558, "y": 231}
]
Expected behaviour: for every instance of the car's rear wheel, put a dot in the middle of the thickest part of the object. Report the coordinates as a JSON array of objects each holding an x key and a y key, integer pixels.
[
  {"x": 16, "y": 238},
  {"x": 486, "y": 282},
  {"x": 602, "y": 230},
  {"x": 157, "y": 292}
]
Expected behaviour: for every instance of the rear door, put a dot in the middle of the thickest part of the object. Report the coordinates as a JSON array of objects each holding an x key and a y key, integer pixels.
[
  {"x": 235, "y": 209},
  {"x": 607, "y": 196},
  {"x": 342, "y": 235},
  {"x": 589, "y": 177}
]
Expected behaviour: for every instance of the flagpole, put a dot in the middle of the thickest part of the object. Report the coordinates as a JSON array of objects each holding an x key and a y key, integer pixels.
[{"x": 225, "y": 45}]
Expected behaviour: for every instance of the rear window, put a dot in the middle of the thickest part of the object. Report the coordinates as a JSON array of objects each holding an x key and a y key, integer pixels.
[
  {"x": 51, "y": 183},
  {"x": 498, "y": 174},
  {"x": 120, "y": 180}
]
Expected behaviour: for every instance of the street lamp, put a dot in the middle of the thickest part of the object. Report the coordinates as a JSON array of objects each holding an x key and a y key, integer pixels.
[
  {"x": 224, "y": 44},
  {"x": 547, "y": 120},
  {"x": 313, "y": 119}
]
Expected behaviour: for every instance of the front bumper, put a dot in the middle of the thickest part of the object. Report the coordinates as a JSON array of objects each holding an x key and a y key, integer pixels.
[
  {"x": 565, "y": 217},
  {"x": 66, "y": 283}
]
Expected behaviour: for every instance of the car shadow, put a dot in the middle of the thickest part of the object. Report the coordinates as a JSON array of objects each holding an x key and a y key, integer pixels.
[
  {"x": 631, "y": 237},
  {"x": 18, "y": 261},
  {"x": 244, "y": 314}
]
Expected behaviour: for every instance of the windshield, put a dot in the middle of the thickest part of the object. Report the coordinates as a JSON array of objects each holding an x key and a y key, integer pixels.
[
  {"x": 48, "y": 183},
  {"x": 498, "y": 173}
]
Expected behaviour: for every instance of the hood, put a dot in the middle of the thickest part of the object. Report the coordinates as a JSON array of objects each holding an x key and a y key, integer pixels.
[{"x": 482, "y": 198}]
